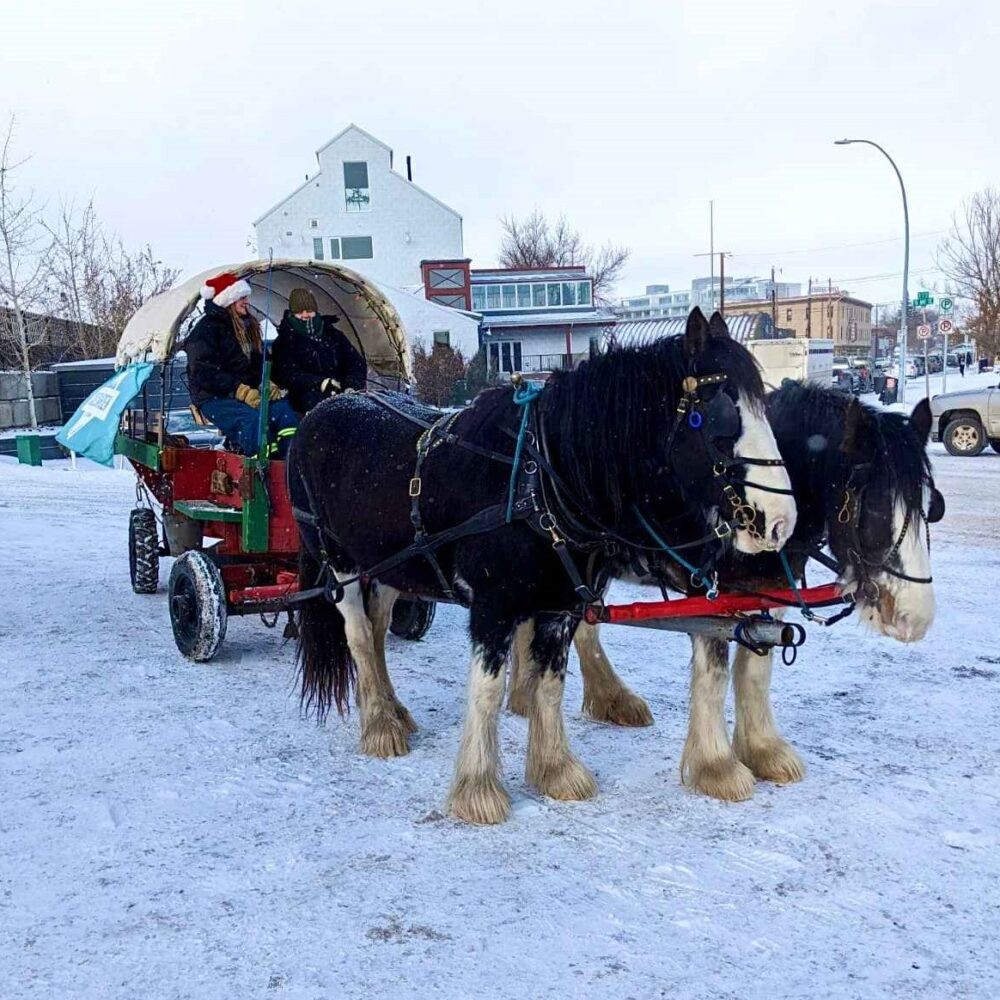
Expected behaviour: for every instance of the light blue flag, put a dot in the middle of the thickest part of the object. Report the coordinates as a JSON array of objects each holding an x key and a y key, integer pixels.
[{"x": 92, "y": 429}]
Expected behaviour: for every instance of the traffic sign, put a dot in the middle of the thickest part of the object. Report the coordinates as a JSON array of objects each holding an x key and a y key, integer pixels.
[
  {"x": 923, "y": 299},
  {"x": 947, "y": 304},
  {"x": 923, "y": 332},
  {"x": 945, "y": 326}
]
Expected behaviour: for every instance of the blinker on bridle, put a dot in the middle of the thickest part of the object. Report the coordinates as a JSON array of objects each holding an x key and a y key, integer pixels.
[{"x": 720, "y": 418}]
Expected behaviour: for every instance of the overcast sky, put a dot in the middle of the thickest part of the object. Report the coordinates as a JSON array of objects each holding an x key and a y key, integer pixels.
[{"x": 185, "y": 121}]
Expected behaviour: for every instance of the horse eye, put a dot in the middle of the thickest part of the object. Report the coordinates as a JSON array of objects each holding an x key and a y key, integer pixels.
[
  {"x": 935, "y": 510},
  {"x": 722, "y": 418}
]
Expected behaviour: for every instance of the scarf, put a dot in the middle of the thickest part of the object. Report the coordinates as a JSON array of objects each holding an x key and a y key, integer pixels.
[{"x": 312, "y": 328}]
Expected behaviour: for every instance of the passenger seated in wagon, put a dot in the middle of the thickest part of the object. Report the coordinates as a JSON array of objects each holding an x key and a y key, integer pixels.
[
  {"x": 312, "y": 358},
  {"x": 225, "y": 355}
]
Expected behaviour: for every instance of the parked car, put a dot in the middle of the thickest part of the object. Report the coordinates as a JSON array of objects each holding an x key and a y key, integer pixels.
[
  {"x": 181, "y": 423},
  {"x": 845, "y": 378},
  {"x": 911, "y": 369},
  {"x": 966, "y": 421}
]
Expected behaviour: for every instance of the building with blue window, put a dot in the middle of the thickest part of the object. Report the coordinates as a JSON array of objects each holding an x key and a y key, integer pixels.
[
  {"x": 537, "y": 320},
  {"x": 358, "y": 210},
  {"x": 658, "y": 303}
]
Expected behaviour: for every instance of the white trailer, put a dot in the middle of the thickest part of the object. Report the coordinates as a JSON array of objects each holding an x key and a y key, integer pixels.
[{"x": 800, "y": 358}]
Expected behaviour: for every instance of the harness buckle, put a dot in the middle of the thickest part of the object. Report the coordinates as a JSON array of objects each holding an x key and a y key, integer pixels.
[
  {"x": 416, "y": 484},
  {"x": 723, "y": 530}
]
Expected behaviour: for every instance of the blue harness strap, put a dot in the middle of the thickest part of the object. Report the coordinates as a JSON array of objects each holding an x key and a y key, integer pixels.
[
  {"x": 524, "y": 395},
  {"x": 698, "y": 577}
]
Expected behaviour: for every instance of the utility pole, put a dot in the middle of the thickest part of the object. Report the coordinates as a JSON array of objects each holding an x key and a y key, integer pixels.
[
  {"x": 723, "y": 254},
  {"x": 774, "y": 307},
  {"x": 711, "y": 248},
  {"x": 809, "y": 311}
]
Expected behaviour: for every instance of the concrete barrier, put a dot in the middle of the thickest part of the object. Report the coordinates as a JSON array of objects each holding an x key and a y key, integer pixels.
[{"x": 14, "y": 408}]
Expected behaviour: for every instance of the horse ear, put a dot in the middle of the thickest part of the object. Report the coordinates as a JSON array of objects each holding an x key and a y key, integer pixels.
[
  {"x": 921, "y": 421},
  {"x": 696, "y": 335},
  {"x": 717, "y": 325},
  {"x": 856, "y": 422}
]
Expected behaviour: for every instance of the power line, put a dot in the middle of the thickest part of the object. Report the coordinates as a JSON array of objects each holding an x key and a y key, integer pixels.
[
  {"x": 841, "y": 246},
  {"x": 885, "y": 277}
]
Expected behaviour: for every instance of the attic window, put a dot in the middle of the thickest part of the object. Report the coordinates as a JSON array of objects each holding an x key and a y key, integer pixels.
[{"x": 357, "y": 194}]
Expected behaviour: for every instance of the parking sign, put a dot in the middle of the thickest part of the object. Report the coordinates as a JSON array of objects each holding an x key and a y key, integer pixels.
[
  {"x": 947, "y": 304},
  {"x": 945, "y": 326},
  {"x": 923, "y": 332}
]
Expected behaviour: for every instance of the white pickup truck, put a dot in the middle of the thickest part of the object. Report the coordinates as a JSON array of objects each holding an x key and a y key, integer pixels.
[{"x": 800, "y": 358}]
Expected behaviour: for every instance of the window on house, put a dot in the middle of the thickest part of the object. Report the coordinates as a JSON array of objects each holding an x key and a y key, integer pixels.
[
  {"x": 788, "y": 315},
  {"x": 454, "y": 301},
  {"x": 569, "y": 293},
  {"x": 492, "y": 296},
  {"x": 357, "y": 194},
  {"x": 314, "y": 223},
  {"x": 317, "y": 249},
  {"x": 554, "y": 294},
  {"x": 447, "y": 277},
  {"x": 356, "y": 247},
  {"x": 335, "y": 248},
  {"x": 583, "y": 293},
  {"x": 478, "y": 298},
  {"x": 538, "y": 296},
  {"x": 509, "y": 296},
  {"x": 442, "y": 337},
  {"x": 505, "y": 356},
  {"x": 524, "y": 296}
]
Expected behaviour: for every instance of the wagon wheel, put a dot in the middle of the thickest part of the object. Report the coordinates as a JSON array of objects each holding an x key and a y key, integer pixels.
[
  {"x": 412, "y": 617},
  {"x": 197, "y": 606},
  {"x": 143, "y": 551}
]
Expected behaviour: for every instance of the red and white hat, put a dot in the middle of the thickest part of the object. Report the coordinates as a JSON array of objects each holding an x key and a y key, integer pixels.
[{"x": 225, "y": 289}]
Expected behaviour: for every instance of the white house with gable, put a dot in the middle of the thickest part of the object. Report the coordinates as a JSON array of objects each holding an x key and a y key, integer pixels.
[{"x": 358, "y": 210}]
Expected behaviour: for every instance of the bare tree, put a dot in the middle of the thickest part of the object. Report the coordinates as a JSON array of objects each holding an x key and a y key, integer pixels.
[
  {"x": 76, "y": 244},
  {"x": 116, "y": 282},
  {"x": 23, "y": 264},
  {"x": 533, "y": 242},
  {"x": 970, "y": 258},
  {"x": 437, "y": 372}
]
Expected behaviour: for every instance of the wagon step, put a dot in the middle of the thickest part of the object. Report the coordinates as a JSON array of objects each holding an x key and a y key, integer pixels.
[{"x": 206, "y": 510}]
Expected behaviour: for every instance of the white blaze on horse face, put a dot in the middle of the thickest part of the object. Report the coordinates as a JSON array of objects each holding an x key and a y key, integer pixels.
[
  {"x": 905, "y": 609},
  {"x": 756, "y": 440}
]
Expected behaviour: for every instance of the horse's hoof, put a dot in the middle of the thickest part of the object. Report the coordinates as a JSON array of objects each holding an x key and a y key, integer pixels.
[
  {"x": 384, "y": 736},
  {"x": 565, "y": 779},
  {"x": 773, "y": 760},
  {"x": 724, "y": 778},
  {"x": 623, "y": 709},
  {"x": 479, "y": 799},
  {"x": 404, "y": 716}
]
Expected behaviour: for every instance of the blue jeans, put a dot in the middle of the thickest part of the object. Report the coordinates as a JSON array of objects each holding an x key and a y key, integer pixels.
[{"x": 240, "y": 423}]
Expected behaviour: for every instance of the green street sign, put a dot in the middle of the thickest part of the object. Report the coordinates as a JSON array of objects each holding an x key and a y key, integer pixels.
[
  {"x": 923, "y": 299},
  {"x": 947, "y": 304}
]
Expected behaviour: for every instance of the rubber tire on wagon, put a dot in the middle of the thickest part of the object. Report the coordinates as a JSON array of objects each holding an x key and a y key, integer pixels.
[
  {"x": 412, "y": 617},
  {"x": 143, "y": 551},
  {"x": 964, "y": 436},
  {"x": 995, "y": 445},
  {"x": 198, "y": 611}
]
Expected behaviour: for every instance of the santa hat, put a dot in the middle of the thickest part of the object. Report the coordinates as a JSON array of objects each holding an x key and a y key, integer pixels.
[{"x": 225, "y": 289}]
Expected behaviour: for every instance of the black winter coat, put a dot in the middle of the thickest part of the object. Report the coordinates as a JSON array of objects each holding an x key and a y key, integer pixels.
[
  {"x": 301, "y": 363},
  {"x": 216, "y": 364}
]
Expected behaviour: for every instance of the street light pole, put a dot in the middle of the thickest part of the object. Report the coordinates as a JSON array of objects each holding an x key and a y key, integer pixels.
[{"x": 906, "y": 263}]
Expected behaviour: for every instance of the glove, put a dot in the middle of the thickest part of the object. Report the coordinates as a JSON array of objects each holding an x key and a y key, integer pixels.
[
  {"x": 247, "y": 394},
  {"x": 273, "y": 392},
  {"x": 329, "y": 386}
]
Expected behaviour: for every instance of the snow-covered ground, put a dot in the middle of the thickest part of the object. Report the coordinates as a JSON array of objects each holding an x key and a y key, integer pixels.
[{"x": 171, "y": 830}]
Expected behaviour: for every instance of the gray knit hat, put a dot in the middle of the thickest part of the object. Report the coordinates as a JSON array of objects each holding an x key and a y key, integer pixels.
[{"x": 301, "y": 300}]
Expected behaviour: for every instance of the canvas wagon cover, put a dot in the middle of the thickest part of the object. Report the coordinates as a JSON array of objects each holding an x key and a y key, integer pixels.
[{"x": 365, "y": 315}]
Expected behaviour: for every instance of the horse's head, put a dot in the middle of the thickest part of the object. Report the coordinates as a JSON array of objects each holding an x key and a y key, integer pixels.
[
  {"x": 722, "y": 446},
  {"x": 879, "y": 521}
]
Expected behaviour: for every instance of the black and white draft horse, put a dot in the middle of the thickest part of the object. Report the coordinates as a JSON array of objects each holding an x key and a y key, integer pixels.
[
  {"x": 863, "y": 485},
  {"x": 674, "y": 429}
]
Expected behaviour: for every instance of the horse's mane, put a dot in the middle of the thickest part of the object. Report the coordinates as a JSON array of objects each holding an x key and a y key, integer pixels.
[
  {"x": 619, "y": 406},
  {"x": 811, "y": 422}
]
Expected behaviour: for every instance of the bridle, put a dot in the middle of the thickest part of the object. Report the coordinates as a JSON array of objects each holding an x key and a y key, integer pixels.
[
  {"x": 850, "y": 514},
  {"x": 714, "y": 419}
]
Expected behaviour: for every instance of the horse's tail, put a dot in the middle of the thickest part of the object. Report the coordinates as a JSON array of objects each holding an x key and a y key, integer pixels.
[{"x": 324, "y": 657}]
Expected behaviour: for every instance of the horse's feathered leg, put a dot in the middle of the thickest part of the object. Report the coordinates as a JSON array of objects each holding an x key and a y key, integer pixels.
[
  {"x": 606, "y": 697},
  {"x": 477, "y": 794},
  {"x": 380, "y": 604},
  {"x": 708, "y": 763},
  {"x": 383, "y": 732},
  {"x": 756, "y": 740},
  {"x": 551, "y": 766},
  {"x": 521, "y": 690}
]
